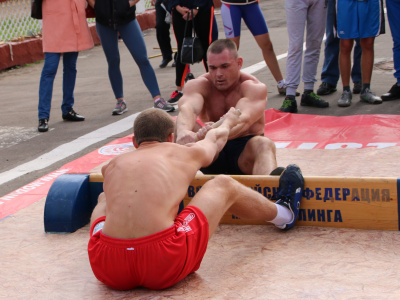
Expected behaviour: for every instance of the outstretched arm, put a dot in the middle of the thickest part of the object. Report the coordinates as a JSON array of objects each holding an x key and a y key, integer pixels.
[
  {"x": 190, "y": 106},
  {"x": 252, "y": 105},
  {"x": 216, "y": 138}
]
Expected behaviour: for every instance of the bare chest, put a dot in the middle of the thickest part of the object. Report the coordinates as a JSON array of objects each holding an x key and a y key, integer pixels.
[{"x": 217, "y": 105}]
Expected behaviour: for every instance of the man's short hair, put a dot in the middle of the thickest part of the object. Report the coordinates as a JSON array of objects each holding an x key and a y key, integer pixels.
[
  {"x": 218, "y": 46},
  {"x": 153, "y": 124}
]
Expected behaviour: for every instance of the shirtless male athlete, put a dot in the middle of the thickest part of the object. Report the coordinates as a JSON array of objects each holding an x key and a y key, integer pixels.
[
  {"x": 210, "y": 96},
  {"x": 136, "y": 236}
]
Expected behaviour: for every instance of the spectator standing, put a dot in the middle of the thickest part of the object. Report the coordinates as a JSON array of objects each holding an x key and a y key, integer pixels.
[
  {"x": 204, "y": 22},
  {"x": 330, "y": 71},
  {"x": 116, "y": 18},
  {"x": 363, "y": 20},
  {"x": 65, "y": 32},
  {"x": 232, "y": 12},
  {"x": 302, "y": 14},
  {"x": 393, "y": 13},
  {"x": 162, "y": 31}
]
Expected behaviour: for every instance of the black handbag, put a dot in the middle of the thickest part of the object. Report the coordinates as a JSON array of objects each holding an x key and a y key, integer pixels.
[
  {"x": 192, "y": 51},
  {"x": 36, "y": 9}
]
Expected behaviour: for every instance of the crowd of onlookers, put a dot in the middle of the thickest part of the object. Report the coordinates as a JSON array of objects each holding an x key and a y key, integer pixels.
[{"x": 347, "y": 24}]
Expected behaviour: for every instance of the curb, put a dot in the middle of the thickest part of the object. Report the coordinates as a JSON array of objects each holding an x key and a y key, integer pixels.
[{"x": 28, "y": 51}]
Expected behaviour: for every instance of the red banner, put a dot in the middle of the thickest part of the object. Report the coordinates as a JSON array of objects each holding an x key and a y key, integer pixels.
[{"x": 327, "y": 132}]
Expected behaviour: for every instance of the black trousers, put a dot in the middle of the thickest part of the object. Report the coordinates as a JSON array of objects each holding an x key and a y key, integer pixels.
[
  {"x": 162, "y": 31},
  {"x": 203, "y": 26}
]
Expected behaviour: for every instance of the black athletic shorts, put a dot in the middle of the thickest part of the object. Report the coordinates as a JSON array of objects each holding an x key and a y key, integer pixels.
[{"x": 227, "y": 161}]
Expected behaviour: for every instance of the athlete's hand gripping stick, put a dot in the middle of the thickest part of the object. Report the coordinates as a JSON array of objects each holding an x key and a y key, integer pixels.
[{"x": 203, "y": 131}]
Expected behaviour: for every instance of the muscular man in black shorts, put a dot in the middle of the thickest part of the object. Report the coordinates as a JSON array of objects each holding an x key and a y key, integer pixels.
[{"x": 209, "y": 97}]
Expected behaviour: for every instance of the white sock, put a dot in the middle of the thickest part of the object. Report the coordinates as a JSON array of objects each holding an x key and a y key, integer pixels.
[
  {"x": 283, "y": 216},
  {"x": 281, "y": 83}
]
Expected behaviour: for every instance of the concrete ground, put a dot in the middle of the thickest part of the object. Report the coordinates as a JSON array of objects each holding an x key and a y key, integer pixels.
[{"x": 252, "y": 262}]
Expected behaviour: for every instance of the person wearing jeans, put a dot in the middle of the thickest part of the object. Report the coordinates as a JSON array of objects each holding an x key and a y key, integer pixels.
[
  {"x": 65, "y": 33},
  {"x": 393, "y": 12},
  {"x": 330, "y": 71},
  {"x": 121, "y": 21},
  {"x": 51, "y": 62}
]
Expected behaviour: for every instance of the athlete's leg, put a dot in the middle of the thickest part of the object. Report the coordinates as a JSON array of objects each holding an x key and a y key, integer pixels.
[
  {"x": 258, "y": 156},
  {"x": 224, "y": 193}
]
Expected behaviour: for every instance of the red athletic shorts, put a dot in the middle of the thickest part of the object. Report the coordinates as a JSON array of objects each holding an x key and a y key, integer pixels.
[{"x": 156, "y": 261}]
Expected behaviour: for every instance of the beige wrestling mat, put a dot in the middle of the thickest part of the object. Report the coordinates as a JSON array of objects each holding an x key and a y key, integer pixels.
[{"x": 242, "y": 262}]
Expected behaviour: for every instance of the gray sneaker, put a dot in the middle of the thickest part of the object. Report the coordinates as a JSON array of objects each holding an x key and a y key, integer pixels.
[
  {"x": 161, "y": 104},
  {"x": 345, "y": 99},
  {"x": 370, "y": 98},
  {"x": 120, "y": 108}
]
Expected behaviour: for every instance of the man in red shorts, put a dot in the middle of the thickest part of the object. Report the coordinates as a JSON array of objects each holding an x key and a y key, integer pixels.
[{"x": 136, "y": 236}]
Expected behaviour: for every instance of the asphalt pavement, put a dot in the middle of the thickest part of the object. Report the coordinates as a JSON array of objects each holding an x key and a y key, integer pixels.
[{"x": 20, "y": 143}]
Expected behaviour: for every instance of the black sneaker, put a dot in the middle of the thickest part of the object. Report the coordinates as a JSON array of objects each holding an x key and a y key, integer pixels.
[
  {"x": 43, "y": 125},
  {"x": 161, "y": 104},
  {"x": 291, "y": 185},
  {"x": 357, "y": 87},
  {"x": 189, "y": 76},
  {"x": 289, "y": 105},
  {"x": 73, "y": 116},
  {"x": 175, "y": 96},
  {"x": 312, "y": 99},
  {"x": 277, "y": 171},
  {"x": 393, "y": 94},
  {"x": 326, "y": 89}
]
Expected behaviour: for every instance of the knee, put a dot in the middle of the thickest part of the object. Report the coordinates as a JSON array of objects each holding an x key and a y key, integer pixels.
[
  {"x": 367, "y": 45},
  {"x": 346, "y": 47},
  {"x": 101, "y": 199},
  {"x": 267, "y": 46},
  {"x": 263, "y": 145},
  {"x": 221, "y": 184}
]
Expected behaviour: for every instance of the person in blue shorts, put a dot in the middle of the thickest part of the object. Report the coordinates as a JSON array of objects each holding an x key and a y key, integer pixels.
[
  {"x": 364, "y": 20},
  {"x": 393, "y": 13},
  {"x": 232, "y": 12},
  {"x": 330, "y": 71}
]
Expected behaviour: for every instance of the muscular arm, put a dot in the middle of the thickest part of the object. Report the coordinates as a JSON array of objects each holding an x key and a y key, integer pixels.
[
  {"x": 215, "y": 139},
  {"x": 190, "y": 106},
  {"x": 252, "y": 105}
]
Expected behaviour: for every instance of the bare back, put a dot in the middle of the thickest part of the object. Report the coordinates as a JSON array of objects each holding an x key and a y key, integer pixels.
[{"x": 144, "y": 188}]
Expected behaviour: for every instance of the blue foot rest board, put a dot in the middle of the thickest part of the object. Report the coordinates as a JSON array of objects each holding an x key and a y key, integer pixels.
[{"x": 69, "y": 203}]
